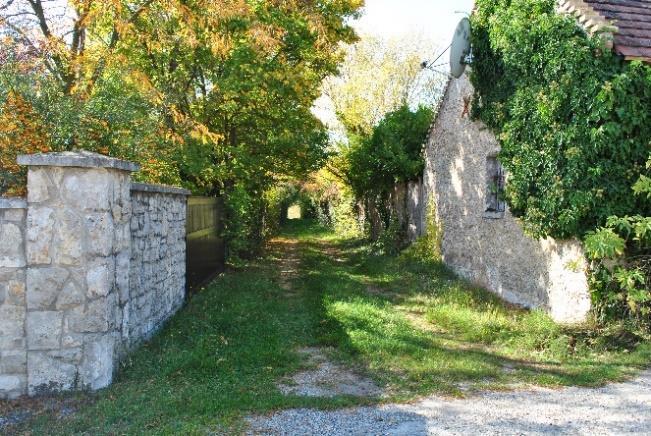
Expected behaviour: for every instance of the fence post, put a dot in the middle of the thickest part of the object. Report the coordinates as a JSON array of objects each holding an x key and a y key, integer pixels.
[{"x": 77, "y": 252}]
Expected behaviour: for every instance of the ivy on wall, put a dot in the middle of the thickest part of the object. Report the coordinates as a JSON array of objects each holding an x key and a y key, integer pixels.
[
  {"x": 574, "y": 123},
  {"x": 574, "y": 120}
]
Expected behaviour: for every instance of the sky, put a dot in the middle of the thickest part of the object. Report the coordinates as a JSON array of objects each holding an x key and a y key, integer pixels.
[{"x": 434, "y": 19}]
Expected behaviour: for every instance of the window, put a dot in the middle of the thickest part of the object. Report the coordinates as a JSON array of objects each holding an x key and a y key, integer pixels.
[{"x": 495, "y": 203}]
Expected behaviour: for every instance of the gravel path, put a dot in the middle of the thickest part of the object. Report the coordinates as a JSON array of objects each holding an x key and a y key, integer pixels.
[{"x": 616, "y": 409}]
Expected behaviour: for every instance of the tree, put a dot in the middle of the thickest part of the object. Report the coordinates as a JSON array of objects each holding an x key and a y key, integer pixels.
[
  {"x": 379, "y": 76},
  {"x": 215, "y": 95}
]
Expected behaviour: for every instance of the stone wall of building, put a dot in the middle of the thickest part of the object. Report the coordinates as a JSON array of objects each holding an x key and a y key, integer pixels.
[
  {"x": 491, "y": 248},
  {"x": 406, "y": 205},
  {"x": 157, "y": 270},
  {"x": 13, "y": 307},
  {"x": 88, "y": 268}
]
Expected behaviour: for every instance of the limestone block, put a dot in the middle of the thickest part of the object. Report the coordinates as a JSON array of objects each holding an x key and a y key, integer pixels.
[
  {"x": 134, "y": 223},
  {"x": 126, "y": 319},
  {"x": 100, "y": 279},
  {"x": 16, "y": 215},
  {"x": 44, "y": 285},
  {"x": 117, "y": 213},
  {"x": 72, "y": 340},
  {"x": 38, "y": 184},
  {"x": 12, "y": 385},
  {"x": 44, "y": 330},
  {"x": 11, "y": 246},
  {"x": 15, "y": 291},
  {"x": 68, "y": 239},
  {"x": 12, "y": 333},
  {"x": 70, "y": 296},
  {"x": 40, "y": 231},
  {"x": 98, "y": 364},
  {"x": 122, "y": 264},
  {"x": 88, "y": 189},
  {"x": 13, "y": 362},
  {"x": 100, "y": 234},
  {"x": 122, "y": 238},
  {"x": 96, "y": 318},
  {"x": 52, "y": 371}
]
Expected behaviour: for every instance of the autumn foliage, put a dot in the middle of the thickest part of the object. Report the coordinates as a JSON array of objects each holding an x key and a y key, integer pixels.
[
  {"x": 21, "y": 132},
  {"x": 213, "y": 95}
]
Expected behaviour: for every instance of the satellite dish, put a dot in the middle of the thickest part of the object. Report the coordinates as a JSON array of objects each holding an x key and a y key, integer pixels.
[{"x": 460, "y": 48}]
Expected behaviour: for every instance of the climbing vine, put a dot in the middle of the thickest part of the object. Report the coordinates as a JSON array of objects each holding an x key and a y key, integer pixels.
[{"x": 574, "y": 122}]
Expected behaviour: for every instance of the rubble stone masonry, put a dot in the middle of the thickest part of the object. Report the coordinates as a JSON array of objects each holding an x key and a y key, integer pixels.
[{"x": 490, "y": 248}]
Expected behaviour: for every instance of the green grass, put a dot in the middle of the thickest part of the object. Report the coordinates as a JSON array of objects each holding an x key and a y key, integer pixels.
[{"x": 410, "y": 325}]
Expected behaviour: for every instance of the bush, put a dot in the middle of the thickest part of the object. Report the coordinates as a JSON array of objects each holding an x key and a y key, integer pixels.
[
  {"x": 392, "y": 154},
  {"x": 427, "y": 248},
  {"x": 621, "y": 253}
]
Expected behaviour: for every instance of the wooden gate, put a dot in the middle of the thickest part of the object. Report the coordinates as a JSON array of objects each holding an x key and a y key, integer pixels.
[{"x": 205, "y": 245}]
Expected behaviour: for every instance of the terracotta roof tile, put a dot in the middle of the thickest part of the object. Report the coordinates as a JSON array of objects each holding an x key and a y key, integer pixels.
[{"x": 633, "y": 21}]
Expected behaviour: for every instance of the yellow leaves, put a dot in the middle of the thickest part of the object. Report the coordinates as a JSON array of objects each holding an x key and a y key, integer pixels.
[
  {"x": 200, "y": 132},
  {"x": 21, "y": 132}
]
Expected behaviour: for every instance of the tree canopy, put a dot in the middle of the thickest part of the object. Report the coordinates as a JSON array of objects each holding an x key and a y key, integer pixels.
[{"x": 202, "y": 93}]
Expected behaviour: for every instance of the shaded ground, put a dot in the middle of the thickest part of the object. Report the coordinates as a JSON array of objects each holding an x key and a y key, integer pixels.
[{"x": 319, "y": 315}]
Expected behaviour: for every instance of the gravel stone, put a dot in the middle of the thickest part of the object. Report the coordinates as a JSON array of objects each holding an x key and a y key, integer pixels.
[
  {"x": 616, "y": 409},
  {"x": 327, "y": 379}
]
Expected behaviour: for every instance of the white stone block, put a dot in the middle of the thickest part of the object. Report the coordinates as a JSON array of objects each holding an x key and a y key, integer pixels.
[
  {"x": 44, "y": 330},
  {"x": 51, "y": 371},
  {"x": 12, "y": 333},
  {"x": 70, "y": 296},
  {"x": 38, "y": 184},
  {"x": 40, "y": 232},
  {"x": 13, "y": 362},
  {"x": 88, "y": 189},
  {"x": 11, "y": 383},
  {"x": 99, "y": 280},
  {"x": 96, "y": 318},
  {"x": 44, "y": 285},
  {"x": 100, "y": 234},
  {"x": 68, "y": 240},
  {"x": 16, "y": 215},
  {"x": 98, "y": 364},
  {"x": 11, "y": 246}
]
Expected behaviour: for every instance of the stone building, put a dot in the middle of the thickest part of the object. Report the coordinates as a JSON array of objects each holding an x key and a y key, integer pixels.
[{"x": 482, "y": 240}]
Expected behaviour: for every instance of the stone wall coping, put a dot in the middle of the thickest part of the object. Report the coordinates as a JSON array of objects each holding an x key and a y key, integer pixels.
[
  {"x": 159, "y": 189},
  {"x": 13, "y": 203},
  {"x": 82, "y": 159}
]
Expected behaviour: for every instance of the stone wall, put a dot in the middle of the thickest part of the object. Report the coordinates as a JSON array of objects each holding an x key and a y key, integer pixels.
[
  {"x": 13, "y": 307},
  {"x": 157, "y": 270},
  {"x": 406, "y": 205},
  {"x": 491, "y": 249},
  {"x": 82, "y": 277}
]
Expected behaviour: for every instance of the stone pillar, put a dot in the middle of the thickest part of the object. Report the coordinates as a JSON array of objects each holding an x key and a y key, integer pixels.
[{"x": 77, "y": 252}]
